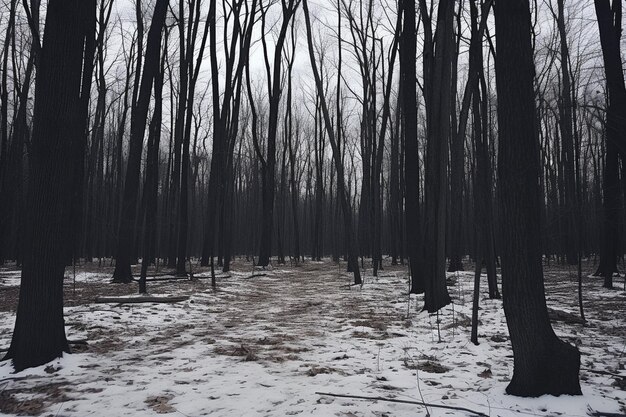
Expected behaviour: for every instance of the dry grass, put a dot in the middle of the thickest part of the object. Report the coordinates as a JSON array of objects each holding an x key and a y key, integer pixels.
[{"x": 33, "y": 400}]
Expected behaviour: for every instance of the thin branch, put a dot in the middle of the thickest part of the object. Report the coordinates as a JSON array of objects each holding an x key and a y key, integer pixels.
[{"x": 393, "y": 400}]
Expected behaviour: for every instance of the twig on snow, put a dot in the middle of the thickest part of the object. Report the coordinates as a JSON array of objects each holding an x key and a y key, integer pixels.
[
  {"x": 393, "y": 400},
  {"x": 255, "y": 275},
  {"x": 604, "y": 373},
  {"x": 143, "y": 299}
]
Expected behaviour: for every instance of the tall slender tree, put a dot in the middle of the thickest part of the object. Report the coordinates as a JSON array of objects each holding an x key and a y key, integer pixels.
[
  {"x": 438, "y": 110},
  {"x": 609, "y": 15},
  {"x": 342, "y": 191},
  {"x": 138, "y": 123},
  {"x": 274, "y": 91},
  {"x": 408, "y": 81},
  {"x": 151, "y": 182},
  {"x": 566, "y": 119},
  {"x": 225, "y": 117}
]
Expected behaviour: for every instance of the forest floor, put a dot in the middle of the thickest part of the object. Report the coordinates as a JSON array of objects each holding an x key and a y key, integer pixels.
[{"x": 267, "y": 345}]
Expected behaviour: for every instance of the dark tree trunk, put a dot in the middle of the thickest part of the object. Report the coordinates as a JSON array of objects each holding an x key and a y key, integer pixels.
[
  {"x": 338, "y": 245},
  {"x": 395, "y": 205},
  {"x": 483, "y": 210},
  {"x": 567, "y": 146},
  {"x": 411, "y": 148},
  {"x": 485, "y": 170},
  {"x": 11, "y": 180},
  {"x": 93, "y": 179},
  {"x": 119, "y": 149},
  {"x": 377, "y": 188},
  {"x": 543, "y": 364},
  {"x": 222, "y": 140},
  {"x": 268, "y": 170},
  {"x": 39, "y": 334},
  {"x": 151, "y": 187},
  {"x": 189, "y": 72},
  {"x": 318, "y": 144},
  {"x": 611, "y": 206},
  {"x": 138, "y": 122},
  {"x": 457, "y": 166},
  {"x": 342, "y": 192},
  {"x": 610, "y": 26},
  {"x": 293, "y": 191},
  {"x": 5, "y": 200},
  {"x": 217, "y": 158},
  {"x": 435, "y": 182},
  {"x": 178, "y": 241}
]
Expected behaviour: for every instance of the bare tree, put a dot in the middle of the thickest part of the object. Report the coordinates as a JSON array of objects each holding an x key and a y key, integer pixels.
[
  {"x": 139, "y": 117},
  {"x": 274, "y": 91},
  {"x": 543, "y": 364},
  {"x": 151, "y": 182},
  {"x": 610, "y": 25},
  {"x": 341, "y": 186},
  {"x": 61, "y": 98},
  {"x": 437, "y": 81},
  {"x": 408, "y": 81}
]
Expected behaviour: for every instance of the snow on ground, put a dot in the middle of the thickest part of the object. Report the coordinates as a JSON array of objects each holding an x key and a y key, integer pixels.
[
  {"x": 11, "y": 277},
  {"x": 264, "y": 346}
]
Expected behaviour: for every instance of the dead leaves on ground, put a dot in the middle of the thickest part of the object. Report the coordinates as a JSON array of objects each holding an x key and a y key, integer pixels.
[{"x": 160, "y": 404}]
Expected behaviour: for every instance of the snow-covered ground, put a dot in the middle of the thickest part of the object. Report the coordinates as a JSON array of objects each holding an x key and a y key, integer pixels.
[
  {"x": 267, "y": 345},
  {"x": 11, "y": 278}
]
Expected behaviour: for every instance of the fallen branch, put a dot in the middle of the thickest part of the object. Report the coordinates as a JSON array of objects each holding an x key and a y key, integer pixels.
[
  {"x": 137, "y": 300},
  {"x": 209, "y": 276},
  {"x": 255, "y": 275},
  {"x": 164, "y": 277},
  {"x": 601, "y": 414},
  {"x": 163, "y": 274},
  {"x": 392, "y": 400},
  {"x": 604, "y": 373}
]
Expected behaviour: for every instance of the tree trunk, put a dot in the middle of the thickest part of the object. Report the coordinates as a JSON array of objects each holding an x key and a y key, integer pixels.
[
  {"x": 483, "y": 209},
  {"x": 342, "y": 191},
  {"x": 435, "y": 189},
  {"x": 293, "y": 191},
  {"x": 411, "y": 147},
  {"x": 139, "y": 116},
  {"x": 457, "y": 166},
  {"x": 567, "y": 145},
  {"x": 5, "y": 200},
  {"x": 39, "y": 334},
  {"x": 268, "y": 171},
  {"x": 151, "y": 187},
  {"x": 543, "y": 364},
  {"x": 609, "y": 24}
]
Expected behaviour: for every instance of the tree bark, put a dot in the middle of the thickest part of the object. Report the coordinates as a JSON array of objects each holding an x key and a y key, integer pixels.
[
  {"x": 543, "y": 364},
  {"x": 39, "y": 334},
  {"x": 151, "y": 187},
  {"x": 609, "y": 24},
  {"x": 435, "y": 182},
  {"x": 408, "y": 82}
]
